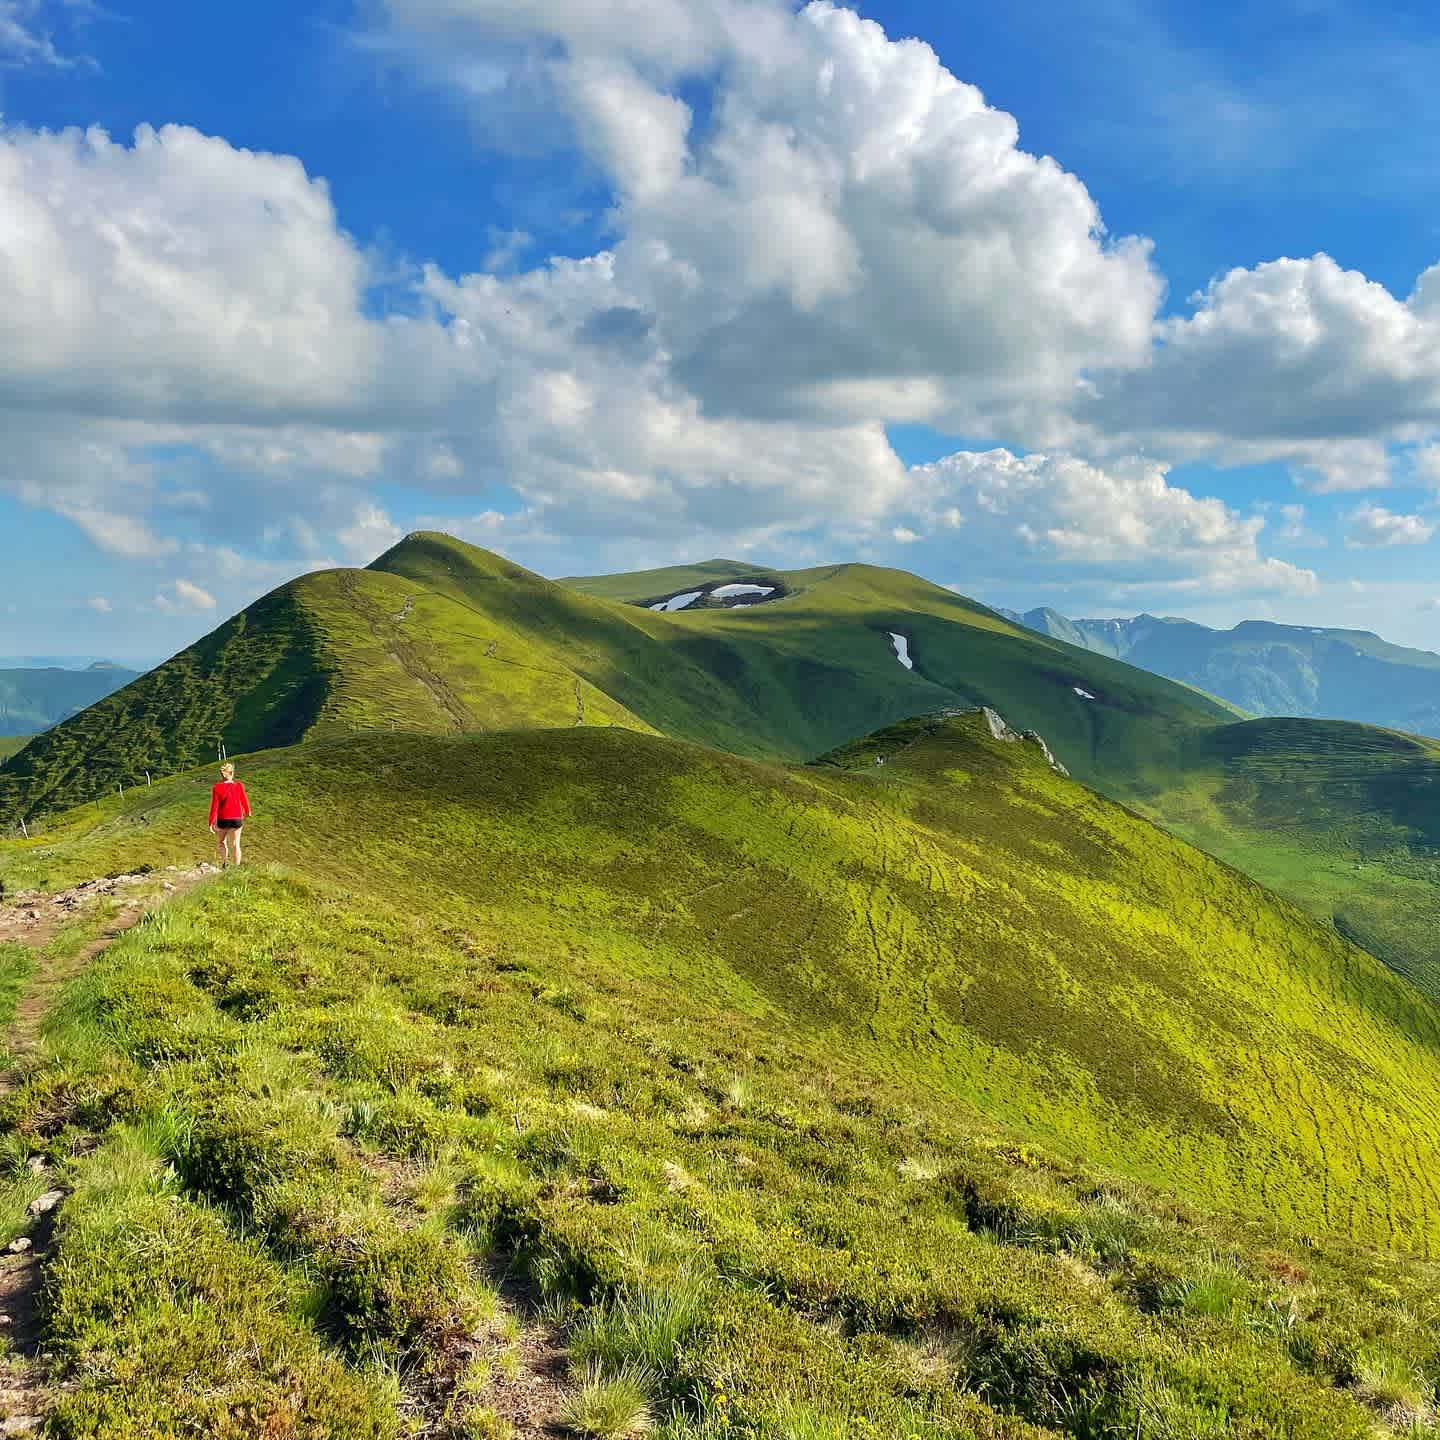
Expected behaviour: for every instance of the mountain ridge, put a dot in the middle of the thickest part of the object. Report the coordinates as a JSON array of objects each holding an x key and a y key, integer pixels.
[{"x": 1267, "y": 668}]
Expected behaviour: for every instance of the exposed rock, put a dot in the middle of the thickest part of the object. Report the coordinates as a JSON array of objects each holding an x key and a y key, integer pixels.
[
  {"x": 1035, "y": 738},
  {"x": 43, "y": 1204},
  {"x": 1002, "y": 731},
  {"x": 19, "y": 1245}
]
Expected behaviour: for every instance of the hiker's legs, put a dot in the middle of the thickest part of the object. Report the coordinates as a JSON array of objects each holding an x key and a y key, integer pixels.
[
  {"x": 235, "y": 840},
  {"x": 222, "y": 841}
]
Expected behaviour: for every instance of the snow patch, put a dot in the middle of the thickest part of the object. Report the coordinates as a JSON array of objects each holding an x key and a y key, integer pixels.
[
  {"x": 678, "y": 602},
  {"x": 1083, "y": 694},
  {"x": 902, "y": 649},
  {"x": 724, "y": 592}
]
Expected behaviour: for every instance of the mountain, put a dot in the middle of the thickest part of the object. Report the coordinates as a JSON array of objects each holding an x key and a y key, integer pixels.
[
  {"x": 940, "y": 1094},
  {"x": 1270, "y": 669},
  {"x": 441, "y": 637},
  {"x": 36, "y": 699}
]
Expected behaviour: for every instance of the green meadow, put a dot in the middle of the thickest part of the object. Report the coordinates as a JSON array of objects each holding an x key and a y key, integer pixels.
[{"x": 940, "y": 1097}]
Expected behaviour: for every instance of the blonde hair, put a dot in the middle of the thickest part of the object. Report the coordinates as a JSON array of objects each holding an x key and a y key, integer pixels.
[{"x": 228, "y": 770}]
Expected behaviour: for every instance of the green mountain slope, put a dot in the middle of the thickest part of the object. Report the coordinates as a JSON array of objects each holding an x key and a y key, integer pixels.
[
  {"x": 329, "y": 653},
  {"x": 1343, "y": 818},
  {"x": 961, "y": 917},
  {"x": 1271, "y": 669},
  {"x": 32, "y": 700},
  {"x": 772, "y": 1082},
  {"x": 645, "y": 587},
  {"x": 440, "y": 636}
]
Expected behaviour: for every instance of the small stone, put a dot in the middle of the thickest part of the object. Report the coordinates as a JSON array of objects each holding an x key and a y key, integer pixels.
[
  {"x": 167, "y": 884},
  {"x": 37, "y": 1164},
  {"x": 19, "y": 1245},
  {"x": 44, "y": 1204}
]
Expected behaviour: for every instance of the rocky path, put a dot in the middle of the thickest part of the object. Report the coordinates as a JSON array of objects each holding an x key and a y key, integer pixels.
[{"x": 34, "y": 919}]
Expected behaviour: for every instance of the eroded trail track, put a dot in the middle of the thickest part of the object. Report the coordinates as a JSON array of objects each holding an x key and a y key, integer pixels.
[{"x": 35, "y": 920}]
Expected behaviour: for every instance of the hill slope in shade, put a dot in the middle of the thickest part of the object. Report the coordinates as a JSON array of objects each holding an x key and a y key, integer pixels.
[
  {"x": 36, "y": 699},
  {"x": 1271, "y": 669},
  {"x": 960, "y": 918}
]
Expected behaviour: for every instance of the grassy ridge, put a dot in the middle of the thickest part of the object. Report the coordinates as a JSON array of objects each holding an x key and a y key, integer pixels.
[
  {"x": 682, "y": 1037},
  {"x": 330, "y": 653},
  {"x": 962, "y": 918},
  {"x": 440, "y": 636}
]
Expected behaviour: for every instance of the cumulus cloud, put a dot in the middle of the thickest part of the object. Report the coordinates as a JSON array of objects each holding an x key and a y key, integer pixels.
[
  {"x": 852, "y": 236},
  {"x": 1294, "y": 359},
  {"x": 100, "y": 604},
  {"x": 1373, "y": 525},
  {"x": 178, "y": 279},
  {"x": 1037, "y": 514},
  {"x": 183, "y": 595},
  {"x": 855, "y": 236}
]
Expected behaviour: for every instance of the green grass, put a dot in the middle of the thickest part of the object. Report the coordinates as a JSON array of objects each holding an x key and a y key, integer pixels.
[
  {"x": 12, "y": 745},
  {"x": 821, "y": 1102},
  {"x": 961, "y": 918},
  {"x": 1343, "y": 818}
]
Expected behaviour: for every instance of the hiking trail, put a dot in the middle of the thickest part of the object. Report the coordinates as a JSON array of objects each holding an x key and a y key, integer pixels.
[{"x": 34, "y": 919}]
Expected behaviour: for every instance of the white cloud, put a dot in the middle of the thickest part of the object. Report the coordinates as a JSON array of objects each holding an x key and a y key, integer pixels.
[
  {"x": 370, "y": 533},
  {"x": 26, "y": 40},
  {"x": 1037, "y": 516},
  {"x": 855, "y": 237},
  {"x": 1373, "y": 525},
  {"x": 183, "y": 595},
  {"x": 1295, "y": 359},
  {"x": 852, "y": 236},
  {"x": 100, "y": 605},
  {"x": 176, "y": 279}
]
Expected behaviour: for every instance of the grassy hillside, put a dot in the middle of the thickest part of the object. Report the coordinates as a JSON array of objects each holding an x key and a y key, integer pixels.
[
  {"x": 772, "y": 1084},
  {"x": 35, "y": 699},
  {"x": 443, "y": 637},
  {"x": 1343, "y": 818},
  {"x": 330, "y": 653},
  {"x": 960, "y": 916},
  {"x": 12, "y": 745},
  {"x": 439, "y": 636}
]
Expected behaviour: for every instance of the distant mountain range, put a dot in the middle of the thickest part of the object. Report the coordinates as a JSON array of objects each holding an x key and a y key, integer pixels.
[
  {"x": 34, "y": 699},
  {"x": 1270, "y": 669}
]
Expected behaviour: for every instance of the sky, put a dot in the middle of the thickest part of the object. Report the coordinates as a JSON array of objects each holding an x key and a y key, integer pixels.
[{"x": 1114, "y": 307}]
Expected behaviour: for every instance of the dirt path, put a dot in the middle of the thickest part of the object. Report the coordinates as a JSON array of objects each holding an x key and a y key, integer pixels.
[{"x": 34, "y": 919}]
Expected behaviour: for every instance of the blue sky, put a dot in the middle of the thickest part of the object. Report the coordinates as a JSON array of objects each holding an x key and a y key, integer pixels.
[{"x": 733, "y": 280}]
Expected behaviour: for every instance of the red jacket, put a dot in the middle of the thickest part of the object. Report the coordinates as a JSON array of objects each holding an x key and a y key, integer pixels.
[{"x": 228, "y": 801}]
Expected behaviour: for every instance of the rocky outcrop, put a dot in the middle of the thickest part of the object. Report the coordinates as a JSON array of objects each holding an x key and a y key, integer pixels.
[{"x": 1001, "y": 730}]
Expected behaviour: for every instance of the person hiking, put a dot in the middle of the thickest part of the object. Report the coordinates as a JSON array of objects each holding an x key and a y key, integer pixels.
[{"x": 229, "y": 808}]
